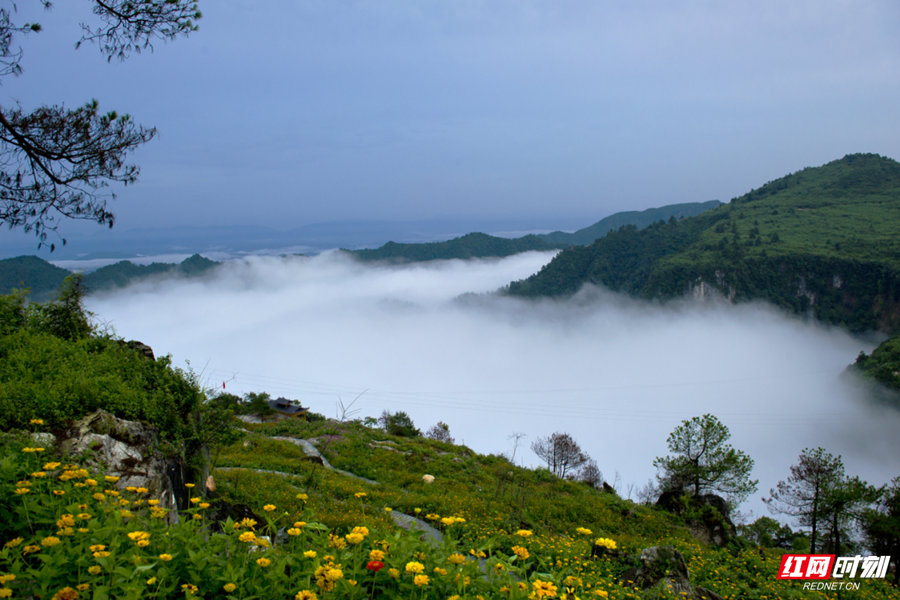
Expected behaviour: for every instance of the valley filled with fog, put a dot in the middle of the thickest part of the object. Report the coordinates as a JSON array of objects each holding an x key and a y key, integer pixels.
[{"x": 615, "y": 373}]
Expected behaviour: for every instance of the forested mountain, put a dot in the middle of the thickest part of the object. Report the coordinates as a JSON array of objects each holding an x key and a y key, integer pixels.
[
  {"x": 824, "y": 241},
  {"x": 472, "y": 245},
  {"x": 43, "y": 278},
  {"x": 639, "y": 219},
  {"x": 30, "y": 272}
]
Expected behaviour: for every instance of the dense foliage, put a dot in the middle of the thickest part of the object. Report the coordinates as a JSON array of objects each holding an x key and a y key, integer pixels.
[
  {"x": 472, "y": 245},
  {"x": 824, "y": 241},
  {"x": 883, "y": 365},
  {"x": 638, "y": 219},
  {"x": 55, "y": 366}
]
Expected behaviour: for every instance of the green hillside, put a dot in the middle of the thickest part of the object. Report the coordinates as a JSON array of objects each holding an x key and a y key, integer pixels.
[
  {"x": 125, "y": 272},
  {"x": 43, "y": 278},
  {"x": 824, "y": 240},
  {"x": 30, "y": 272},
  {"x": 472, "y": 245},
  {"x": 639, "y": 219},
  {"x": 883, "y": 365}
]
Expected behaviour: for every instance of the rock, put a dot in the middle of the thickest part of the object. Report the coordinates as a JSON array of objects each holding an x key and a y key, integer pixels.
[
  {"x": 125, "y": 449},
  {"x": 713, "y": 526},
  {"x": 44, "y": 439},
  {"x": 665, "y": 567}
]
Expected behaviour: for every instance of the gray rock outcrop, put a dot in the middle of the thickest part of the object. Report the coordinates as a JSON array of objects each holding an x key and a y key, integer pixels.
[
  {"x": 665, "y": 567},
  {"x": 124, "y": 449}
]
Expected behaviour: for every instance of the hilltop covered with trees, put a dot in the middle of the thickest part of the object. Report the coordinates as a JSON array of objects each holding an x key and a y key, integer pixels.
[{"x": 823, "y": 241}]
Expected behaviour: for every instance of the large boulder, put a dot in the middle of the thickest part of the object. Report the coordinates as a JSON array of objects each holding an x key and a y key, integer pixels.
[
  {"x": 124, "y": 449},
  {"x": 711, "y": 517},
  {"x": 663, "y": 568}
]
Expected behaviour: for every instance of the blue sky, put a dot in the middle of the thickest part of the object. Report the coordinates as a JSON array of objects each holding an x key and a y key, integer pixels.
[{"x": 291, "y": 112}]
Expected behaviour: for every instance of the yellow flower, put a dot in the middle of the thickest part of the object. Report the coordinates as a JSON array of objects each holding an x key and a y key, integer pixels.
[
  {"x": 189, "y": 485},
  {"x": 135, "y": 536},
  {"x": 38, "y": 474},
  {"x": 83, "y": 530},
  {"x": 197, "y": 517},
  {"x": 415, "y": 567},
  {"x": 336, "y": 542},
  {"x": 190, "y": 589},
  {"x": 360, "y": 494},
  {"x": 524, "y": 533},
  {"x": 12, "y": 544},
  {"x": 94, "y": 570},
  {"x": 165, "y": 557},
  {"x": 196, "y": 500},
  {"x": 263, "y": 562},
  {"x": 151, "y": 581},
  {"x": 299, "y": 524},
  {"x": 293, "y": 531},
  {"x": 141, "y": 490},
  {"x": 420, "y": 580},
  {"x": 101, "y": 554},
  {"x": 5, "y": 592},
  {"x": 377, "y": 555},
  {"x": 388, "y": 509},
  {"x": 204, "y": 505},
  {"x": 306, "y": 595},
  {"x": 394, "y": 573},
  {"x": 521, "y": 552},
  {"x": 269, "y": 507},
  {"x": 28, "y": 450},
  {"x": 247, "y": 537},
  {"x": 584, "y": 531},
  {"x": 84, "y": 516},
  {"x": 66, "y": 593},
  {"x": 251, "y": 523},
  {"x": 82, "y": 587},
  {"x": 143, "y": 543},
  {"x": 440, "y": 571},
  {"x": 126, "y": 514},
  {"x": 4, "y": 579},
  {"x": 310, "y": 554},
  {"x": 153, "y": 502},
  {"x": 111, "y": 479},
  {"x": 229, "y": 587},
  {"x": 355, "y": 538},
  {"x": 37, "y": 421},
  {"x": 30, "y": 549},
  {"x": 606, "y": 543},
  {"x": 456, "y": 559},
  {"x": 543, "y": 589},
  {"x": 302, "y": 497},
  {"x": 59, "y": 493},
  {"x": 432, "y": 516},
  {"x": 22, "y": 490},
  {"x": 50, "y": 541},
  {"x": 601, "y": 593}
]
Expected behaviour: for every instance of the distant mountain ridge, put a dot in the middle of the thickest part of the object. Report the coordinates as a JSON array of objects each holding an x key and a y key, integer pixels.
[
  {"x": 43, "y": 278},
  {"x": 639, "y": 219},
  {"x": 824, "y": 241},
  {"x": 471, "y": 245},
  {"x": 482, "y": 245}
]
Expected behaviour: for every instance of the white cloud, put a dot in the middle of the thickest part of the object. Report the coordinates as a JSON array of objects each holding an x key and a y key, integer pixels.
[{"x": 617, "y": 374}]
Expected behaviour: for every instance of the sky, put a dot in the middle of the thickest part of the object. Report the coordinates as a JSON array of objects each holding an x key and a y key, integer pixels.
[
  {"x": 617, "y": 374},
  {"x": 558, "y": 113}
]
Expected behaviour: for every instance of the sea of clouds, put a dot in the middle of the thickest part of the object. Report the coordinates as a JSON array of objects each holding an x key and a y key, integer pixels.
[{"x": 430, "y": 339}]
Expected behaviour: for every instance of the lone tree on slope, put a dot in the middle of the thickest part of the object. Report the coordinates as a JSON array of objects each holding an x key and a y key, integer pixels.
[
  {"x": 55, "y": 162},
  {"x": 705, "y": 462},
  {"x": 561, "y": 452},
  {"x": 803, "y": 495}
]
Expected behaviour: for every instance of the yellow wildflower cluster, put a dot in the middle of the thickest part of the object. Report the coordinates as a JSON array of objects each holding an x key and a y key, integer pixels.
[
  {"x": 605, "y": 543},
  {"x": 327, "y": 575}
]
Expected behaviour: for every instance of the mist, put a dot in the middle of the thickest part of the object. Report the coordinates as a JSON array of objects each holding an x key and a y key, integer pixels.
[{"x": 616, "y": 373}]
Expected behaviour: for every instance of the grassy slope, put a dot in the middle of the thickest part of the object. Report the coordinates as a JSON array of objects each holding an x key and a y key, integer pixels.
[
  {"x": 825, "y": 239},
  {"x": 471, "y": 245},
  {"x": 496, "y": 499},
  {"x": 639, "y": 219}
]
